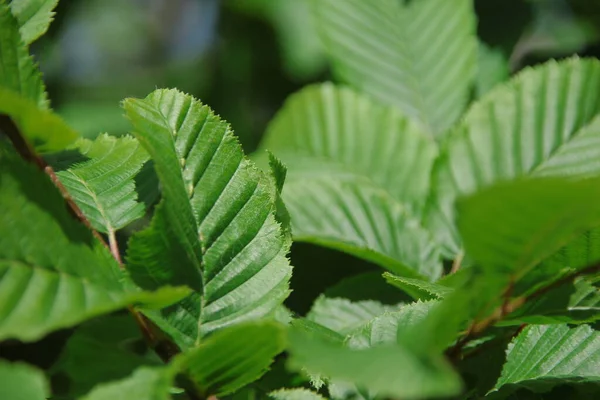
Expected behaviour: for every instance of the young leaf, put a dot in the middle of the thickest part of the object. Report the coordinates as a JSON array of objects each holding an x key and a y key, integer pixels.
[
  {"x": 22, "y": 382},
  {"x": 295, "y": 394},
  {"x": 535, "y": 124},
  {"x": 233, "y": 357},
  {"x": 215, "y": 229},
  {"x": 61, "y": 275},
  {"x": 45, "y": 130},
  {"x": 546, "y": 355},
  {"x": 18, "y": 72},
  {"x": 356, "y": 173},
  {"x": 419, "y": 56},
  {"x": 33, "y": 16},
  {"x": 144, "y": 384},
  {"x": 417, "y": 288},
  {"x": 103, "y": 187},
  {"x": 512, "y": 227},
  {"x": 343, "y": 316},
  {"x": 391, "y": 371}
]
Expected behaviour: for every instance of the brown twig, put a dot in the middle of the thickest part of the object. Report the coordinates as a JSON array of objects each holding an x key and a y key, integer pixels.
[
  {"x": 155, "y": 338},
  {"x": 456, "y": 264},
  {"x": 509, "y": 306}
]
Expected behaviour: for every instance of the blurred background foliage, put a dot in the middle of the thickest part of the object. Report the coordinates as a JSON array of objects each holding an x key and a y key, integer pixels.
[{"x": 243, "y": 58}]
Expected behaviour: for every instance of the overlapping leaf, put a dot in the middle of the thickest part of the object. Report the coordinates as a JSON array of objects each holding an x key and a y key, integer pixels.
[
  {"x": 22, "y": 382},
  {"x": 144, "y": 384},
  {"x": 546, "y": 355},
  {"x": 539, "y": 123},
  {"x": 391, "y": 370},
  {"x": 45, "y": 130},
  {"x": 18, "y": 72},
  {"x": 419, "y": 56},
  {"x": 103, "y": 187},
  {"x": 215, "y": 229},
  {"x": 512, "y": 227},
  {"x": 417, "y": 288},
  {"x": 233, "y": 357},
  {"x": 357, "y": 171},
  {"x": 33, "y": 16},
  {"x": 61, "y": 275}
]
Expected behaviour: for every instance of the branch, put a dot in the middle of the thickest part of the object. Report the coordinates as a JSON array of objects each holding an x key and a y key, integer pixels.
[{"x": 509, "y": 306}]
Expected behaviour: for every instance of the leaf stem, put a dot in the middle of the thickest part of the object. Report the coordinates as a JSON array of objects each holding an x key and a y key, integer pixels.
[
  {"x": 114, "y": 247},
  {"x": 509, "y": 306}
]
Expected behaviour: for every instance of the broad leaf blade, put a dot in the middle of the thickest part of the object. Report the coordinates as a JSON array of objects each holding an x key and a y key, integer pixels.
[
  {"x": 419, "y": 56},
  {"x": 17, "y": 69},
  {"x": 546, "y": 355},
  {"x": 393, "y": 370},
  {"x": 233, "y": 357},
  {"x": 103, "y": 187},
  {"x": 218, "y": 210},
  {"x": 34, "y": 17},
  {"x": 144, "y": 384},
  {"x": 358, "y": 175},
  {"x": 45, "y": 130},
  {"x": 418, "y": 289},
  {"x": 22, "y": 382},
  {"x": 521, "y": 128}
]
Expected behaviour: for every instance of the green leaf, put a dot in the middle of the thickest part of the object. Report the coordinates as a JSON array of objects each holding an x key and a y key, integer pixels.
[
  {"x": 357, "y": 174},
  {"x": 101, "y": 350},
  {"x": 543, "y": 356},
  {"x": 144, "y": 384},
  {"x": 18, "y": 71},
  {"x": 34, "y": 17},
  {"x": 61, "y": 275},
  {"x": 343, "y": 316},
  {"x": 417, "y": 288},
  {"x": 103, "y": 187},
  {"x": 391, "y": 371},
  {"x": 492, "y": 69},
  {"x": 390, "y": 327},
  {"x": 539, "y": 123},
  {"x": 295, "y": 394},
  {"x": 419, "y": 56},
  {"x": 233, "y": 357},
  {"x": 22, "y": 382},
  {"x": 215, "y": 229},
  {"x": 45, "y": 130},
  {"x": 512, "y": 227}
]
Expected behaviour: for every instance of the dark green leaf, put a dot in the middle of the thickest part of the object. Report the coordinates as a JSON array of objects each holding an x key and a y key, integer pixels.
[{"x": 22, "y": 382}]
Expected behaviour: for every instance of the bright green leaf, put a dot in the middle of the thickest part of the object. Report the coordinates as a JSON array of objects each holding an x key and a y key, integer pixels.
[
  {"x": 34, "y": 17},
  {"x": 45, "y": 130},
  {"x": 419, "y": 56},
  {"x": 391, "y": 371},
  {"x": 103, "y": 186},
  {"x": 512, "y": 227},
  {"x": 22, "y": 382},
  {"x": 539, "y": 123},
  {"x": 18, "y": 71},
  {"x": 233, "y": 357},
  {"x": 357, "y": 173},
  {"x": 144, "y": 384},
  {"x": 417, "y": 288},
  {"x": 543, "y": 356},
  {"x": 215, "y": 229}
]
